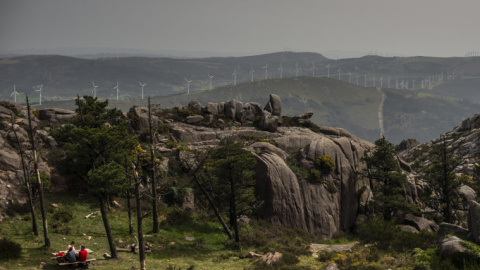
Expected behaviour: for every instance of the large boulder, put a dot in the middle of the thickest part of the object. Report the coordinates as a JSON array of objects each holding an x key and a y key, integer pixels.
[
  {"x": 11, "y": 105},
  {"x": 274, "y": 105},
  {"x": 195, "y": 106},
  {"x": 56, "y": 115},
  {"x": 230, "y": 108},
  {"x": 9, "y": 159},
  {"x": 474, "y": 221},
  {"x": 248, "y": 114},
  {"x": 447, "y": 229},
  {"x": 269, "y": 122},
  {"x": 238, "y": 110},
  {"x": 421, "y": 223},
  {"x": 469, "y": 124},
  {"x": 452, "y": 246},
  {"x": 467, "y": 193},
  {"x": 194, "y": 119},
  {"x": 296, "y": 203},
  {"x": 302, "y": 120},
  {"x": 139, "y": 119},
  {"x": 211, "y": 108}
]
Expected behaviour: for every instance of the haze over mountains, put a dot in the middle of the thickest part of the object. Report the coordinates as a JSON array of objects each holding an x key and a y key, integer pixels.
[{"x": 433, "y": 95}]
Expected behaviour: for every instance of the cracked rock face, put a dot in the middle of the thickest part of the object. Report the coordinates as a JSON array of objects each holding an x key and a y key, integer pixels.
[{"x": 287, "y": 200}]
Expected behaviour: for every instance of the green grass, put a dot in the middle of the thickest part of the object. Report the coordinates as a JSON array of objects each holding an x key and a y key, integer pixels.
[{"x": 169, "y": 245}]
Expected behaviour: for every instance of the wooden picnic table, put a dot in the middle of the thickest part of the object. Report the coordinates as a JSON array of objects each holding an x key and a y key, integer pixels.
[{"x": 61, "y": 259}]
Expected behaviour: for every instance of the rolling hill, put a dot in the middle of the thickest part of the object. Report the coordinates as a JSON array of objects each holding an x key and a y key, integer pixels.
[{"x": 406, "y": 114}]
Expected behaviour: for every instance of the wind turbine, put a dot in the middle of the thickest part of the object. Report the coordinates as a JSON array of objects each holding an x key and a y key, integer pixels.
[
  {"x": 313, "y": 69},
  {"x": 142, "y": 85},
  {"x": 40, "y": 92},
  {"x": 14, "y": 93},
  {"x": 296, "y": 69},
  {"x": 339, "y": 72},
  {"x": 117, "y": 88},
  {"x": 281, "y": 70},
  {"x": 328, "y": 70},
  {"x": 266, "y": 71},
  {"x": 358, "y": 76},
  {"x": 188, "y": 85},
  {"x": 365, "y": 80},
  {"x": 251, "y": 73},
  {"x": 234, "y": 74},
  {"x": 94, "y": 90},
  {"x": 211, "y": 77}
]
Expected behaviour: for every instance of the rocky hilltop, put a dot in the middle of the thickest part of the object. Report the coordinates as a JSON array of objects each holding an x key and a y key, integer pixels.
[{"x": 285, "y": 148}]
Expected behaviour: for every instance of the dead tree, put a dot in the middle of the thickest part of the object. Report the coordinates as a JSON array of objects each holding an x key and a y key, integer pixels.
[
  {"x": 152, "y": 172},
  {"x": 37, "y": 175}
]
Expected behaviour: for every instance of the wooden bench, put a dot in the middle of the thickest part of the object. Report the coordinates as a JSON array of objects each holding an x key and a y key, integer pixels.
[{"x": 87, "y": 262}]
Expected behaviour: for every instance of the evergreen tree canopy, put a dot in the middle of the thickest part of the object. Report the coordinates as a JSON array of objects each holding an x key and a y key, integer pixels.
[
  {"x": 386, "y": 180},
  {"x": 443, "y": 182},
  {"x": 230, "y": 177}
]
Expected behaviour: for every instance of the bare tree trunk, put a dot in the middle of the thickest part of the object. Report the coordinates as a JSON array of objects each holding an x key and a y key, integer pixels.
[
  {"x": 26, "y": 176},
  {"x": 129, "y": 195},
  {"x": 108, "y": 230},
  {"x": 154, "y": 182},
  {"x": 39, "y": 180},
  {"x": 214, "y": 207},
  {"x": 129, "y": 208},
  {"x": 141, "y": 243},
  {"x": 233, "y": 210}
]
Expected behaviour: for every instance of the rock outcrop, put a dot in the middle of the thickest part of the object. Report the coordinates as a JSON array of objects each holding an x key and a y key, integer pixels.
[
  {"x": 421, "y": 224},
  {"x": 288, "y": 200},
  {"x": 60, "y": 116},
  {"x": 247, "y": 114},
  {"x": 474, "y": 221},
  {"x": 139, "y": 119},
  {"x": 11, "y": 173}
]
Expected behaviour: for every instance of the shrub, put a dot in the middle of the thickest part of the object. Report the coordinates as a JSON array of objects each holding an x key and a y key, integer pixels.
[
  {"x": 62, "y": 215},
  {"x": 178, "y": 217},
  {"x": 326, "y": 256},
  {"x": 164, "y": 128},
  {"x": 386, "y": 235},
  {"x": 330, "y": 187},
  {"x": 9, "y": 249},
  {"x": 315, "y": 176},
  {"x": 16, "y": 208},
  {"x": 184, "y": 113},
  {"x": 325, "y": 164},
  {"x": 289, "y": 259},
  {"x": 379, "y": 232}
]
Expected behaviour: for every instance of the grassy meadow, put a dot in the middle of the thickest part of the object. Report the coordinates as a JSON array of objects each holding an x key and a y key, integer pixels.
[{"x": 210, "y": 249}]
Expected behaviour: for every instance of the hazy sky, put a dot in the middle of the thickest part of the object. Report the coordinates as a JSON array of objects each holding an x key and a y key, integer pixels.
[{"x": 410, "y": 27}]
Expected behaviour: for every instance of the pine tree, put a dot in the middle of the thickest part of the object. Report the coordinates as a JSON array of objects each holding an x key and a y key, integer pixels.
[
  {"x": 386, "y": 181},
  {"x": 443, "y": 182},
  {"x": 95, "y": 144},
  {"x": 231, "y": 178}
]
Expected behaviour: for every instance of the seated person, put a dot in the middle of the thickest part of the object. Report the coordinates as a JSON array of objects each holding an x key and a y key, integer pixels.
[
  {"x": 72, "y": 245},
  {"x": 71, "y": 255},
  {"x": 82, "y": 254}
]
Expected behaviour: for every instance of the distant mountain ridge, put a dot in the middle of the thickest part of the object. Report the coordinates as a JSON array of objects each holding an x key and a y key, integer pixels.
[
  {"x": 333, "y": 89},
  {"x": 333, "y": 103}
]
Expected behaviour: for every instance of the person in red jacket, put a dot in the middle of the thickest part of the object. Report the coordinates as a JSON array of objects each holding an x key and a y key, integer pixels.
[{"x": 82, "y": 254}]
